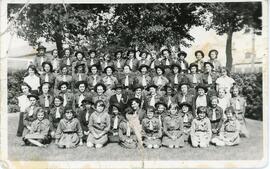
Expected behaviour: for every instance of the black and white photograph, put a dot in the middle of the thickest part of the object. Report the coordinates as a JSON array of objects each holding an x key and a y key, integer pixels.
[{"x": 135, "y": 82}]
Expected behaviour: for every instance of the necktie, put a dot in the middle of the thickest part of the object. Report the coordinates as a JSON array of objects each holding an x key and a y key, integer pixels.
[
  {"x": 57, "y": 113},
  {"x": 176, "y": 79},
  {"x": 105, "y": 64},
  {"x": 194, "y": 79},
  {"x": 46, "y": 77},
  {"x": 169, "y": 101},
  {"x": 185, "y": 119},
  {"x": 152, "y": 101},
  {"x": 159, "y": 119},
  {"x": 95, "y": 80},
  {"x": 47, "y": 103},
  {"x": 153, "y": 65},
  {"x": 31, "y": 111},
  {"x": 87, "y": 116},
  {"x": 126, "y": 81},
  {"x": 237, "y": 104},
  {"x": 131, "y": 63},
  {"x": 118, "y": 98},
  {"x": 214, "y": 115},
  {"x": 80, "y": 99},
  {"x": 209, "y": 79},
  {"x": 143, "y": 61},
  {"x": 151, "y": 127},
  {"x": 80, "y": 77},
  {"x": 183, "y": 66},
  {"x": 64, "y": 78},
  {"x": 144, "y": 80},
  {"x": 65, "y": 100},
  {"x": 128, "y": 129},
  {"x": 118, "y": 64},
  {"x": 91, "y": 62},
  {"x": 55, "y": 64},
  {"x": 115, "y": 122},
  {"x": 68, "y": 61},
  {"x": 183, "y": 99},
  {"x": 167, "y": 62}
]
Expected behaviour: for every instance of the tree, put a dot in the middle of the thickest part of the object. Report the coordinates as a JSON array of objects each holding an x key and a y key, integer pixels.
[{"x": 227, "y": 18}]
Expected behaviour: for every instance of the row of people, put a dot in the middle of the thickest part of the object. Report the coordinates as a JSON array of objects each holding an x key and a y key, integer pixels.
[{"x": 156, "y": 126}]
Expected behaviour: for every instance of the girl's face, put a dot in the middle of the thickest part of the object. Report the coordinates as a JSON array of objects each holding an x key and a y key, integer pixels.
[
  {"x": 235, "y": 91},
  {"x": 88, "y": 106},
  {"x": 100, "y": 90},
  {"x": 193, "y": 69},
  {"x": 166, "y": 54},
  {"x": 223, "y": 72},
  {"x": 229, "y": 115},
  {"x": 25, "y": 89},
  {"x": 55, "y": 53},
  {"x": 45, "y": 88},
  {"x": 79, "y": 56},
  {"x": 134, "y": 105},
  {"x": 159, "y": 71},
  {"x": 208, "y": 68},
  {"x": 185, "y": 108},
  {"x": 40, "y": 116},
  {"x": 94, "y": 70},
  {"x": 201, "y": 115},
  {"x": 57, "y": 102},
  {"x": 144, "y": 70},
  {"x": 92, "y": 54},
  {"x": 69, "y": 115},
  {"x": 161, "y": 108},
  {"x": 182, "y": 57},
  {"x": 152, "y": 90},
  {"x": 126, "y": 69},
  {"x": 100, "y": 107},
  {"x": 109, "y": 71},
  {"x": 201, "y": 91},
  {"x": 169, "y": 91},
  {"x": 221, "y": 93},
  {"x": 67, "y": 52},
  {"x": 175, "y": 70},
  {"x": 106, "y": 57},
  {"x": 131, "y": 55},
  {"x": 173, "y": 110},
  {"x": 213, "y": 55},
  {"x": 64, "y": 70},
  {"x": 47, "y": 68},
  {"x": 82, "y": 88},
  {"x": 80, "y": 69},
  {"x": 118, "y": 91},
  {"x": 115, "y": 110},
  {"x": 64, "y": 88},
  {"x": 184, "y": 88},
  {"x": 199, "y": 56},
  {"x": 138, "y": 91},
  {"x": 33, "y": 101},
  {"x": 143, "y": 56},
  {"x": 150, "y": 114},
  {"x": 31, "y": 71},
  {"x": 118, "y": 55},
  {"x": 214, "y": 102}
]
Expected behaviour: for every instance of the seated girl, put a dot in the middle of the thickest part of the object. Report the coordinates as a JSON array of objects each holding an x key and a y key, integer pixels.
[
  {"x": 39, "y": 130},
  {"x": 187, "y": 116},
  {"x": 151, "y": 127},
  {"x": 201, "y": 132},
  {"x": 69, "y": 132},
  {"x": 173, "y": 128},
  {"x": 229, "y": 132},
  {"x": 99, "y": 126},
  {"x": 116, "y": 118}
]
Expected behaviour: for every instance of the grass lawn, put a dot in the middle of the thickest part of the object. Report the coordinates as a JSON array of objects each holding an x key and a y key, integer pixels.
[{"x": 249, "y": 149}]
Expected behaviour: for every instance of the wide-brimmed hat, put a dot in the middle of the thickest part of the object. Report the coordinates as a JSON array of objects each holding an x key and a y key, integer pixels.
[
  {"x": 48, "y": 63},
  {"x": 202, "y": 86},
  {"x": 182, "y": 53},
  {"x": 151, "y": 85},
  {"x": 41, "y": 47},
  {"x": 100, "y": 84},
  {"x": 160, "y": 67},
  {"x": 199, "y": 51},
  {"x": 117, "y": 105},
  {"x": 176, "y": 65},
  {"x": 134, "y": 99},
  {"x": 33, "y": 95},
  {"x": 161, "y": 103},
  {"x": 61, "y": 84},
  {"x": 79, "y": 64},
  {"x": 118, "y": 86},
  {"x": 193, "y": 65},
  {"x": 185, "y": 104},
  {"x": 78, "y": 53},
  {"x": 205, "y": 63},
  {"x": 166, "y": 49},
  {"x": 183, "y": 83},
  {"x": 142, "y": 66},
  {"x": 78, "y": 83},
  {"x": 137, "y": 86},
  {"x": 105, "y": 69}
]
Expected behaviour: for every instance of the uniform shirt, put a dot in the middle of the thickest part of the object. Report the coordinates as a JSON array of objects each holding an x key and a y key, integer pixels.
[
  {"x": 46, "y": 100},
  {"x": 133, "y": 64},
  {"x": 173, "y": 123},
  {"x": 201, "y": 125},
  {"x": 32, "y": 81},
  {"x": 56, "y": 114},
  {"x": 93, "y": 80},
  {"x": 47, "y": 77},
  {"x": 216, "y": 64},
  {"x": 99, "y": 122},
  {"x": 23, "y": 102},
  {"x": 160, "y": 81},
  {"x": 110, "y": 81},
  {"x": 65, "y": 125},
  {"x": 40, "y": 126}
]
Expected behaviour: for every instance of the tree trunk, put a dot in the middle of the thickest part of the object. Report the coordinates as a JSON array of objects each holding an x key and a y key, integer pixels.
[
  {"x": 59, "y": 45},
  {"x": 229, "y": 59}
]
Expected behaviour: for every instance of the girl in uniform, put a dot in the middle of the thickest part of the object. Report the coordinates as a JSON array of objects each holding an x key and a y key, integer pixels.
[
  {"x": 199, "y": 60},
  {"x": 94, "y": 77},
  {"x": 56, "y": 114},
  {"x": 201, "y": 132},
  {"x": 194, "y": 78},
  {"x": 187, "y": 116},
  {"x": 143, "y": 78},
  {"x": 225, "y": 81},
  {"x": 69, "y": 132},
  {"x": 39, "y": 131},
  {"x": 100, "y": 94},
  {"x": 80, "y": 73},
  {"x": 47, "y": 75},
  {"x": 63, "y": 76},
  {"x": 173, "y": 128},
  {"x": 106, "y": 61},
  {"x": 213, "y": 54},
  {"x": 229, "y": 132},
  {"x": 160, "y": 80},
  {"x": 80, "y": 59},
  {"x": 152, "y": 132},
  {"x": 215, "y": 114},
  {"x": 81, "y": 94},
  {"x": 46, "y": 98},
  {"x": 132, "y": 61},
  {"x": 144, "y": 60},
  {"x": 116, "y": 117},
  {"x": 183, "y": 63},
  {"x": 119, "y": 62},
  {"x": 93, "y": 59},
  {"x": 68, "y": 98},
  {"x": 67, "y": 60},
  {"x": 109, "y": 79},
  {"x": 202, "y": 99},
  {"x": 99, "y": 126},
  {"x": 56, "y": 61}
]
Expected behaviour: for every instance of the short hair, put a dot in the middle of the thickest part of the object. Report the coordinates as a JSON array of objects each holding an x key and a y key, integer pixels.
[
  {"x": 201, "y": 109},
  {"x": 199, "y": 51},
  {"x": 101, "y": 102},
  {"x": 173, "y": 105}
]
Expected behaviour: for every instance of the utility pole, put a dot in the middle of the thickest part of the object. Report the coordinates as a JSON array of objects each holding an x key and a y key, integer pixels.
[{"x": 253, "y": 52}]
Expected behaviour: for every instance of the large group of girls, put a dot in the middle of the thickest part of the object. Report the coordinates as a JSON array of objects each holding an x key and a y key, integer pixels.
[{"x": 132, "y": 98}]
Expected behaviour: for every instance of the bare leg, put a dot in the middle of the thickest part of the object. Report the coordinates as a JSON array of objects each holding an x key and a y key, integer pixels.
[{"x": 35, "y": 142}]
